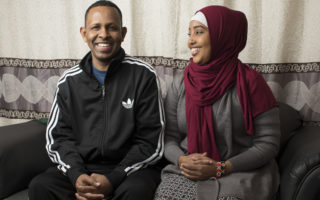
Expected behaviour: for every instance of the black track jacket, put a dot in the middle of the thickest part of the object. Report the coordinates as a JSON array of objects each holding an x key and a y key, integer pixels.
[{"x": 112, "y": 130}]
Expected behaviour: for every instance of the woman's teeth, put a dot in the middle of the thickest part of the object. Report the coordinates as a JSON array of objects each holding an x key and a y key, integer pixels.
[{"x": 194, "y": 51}]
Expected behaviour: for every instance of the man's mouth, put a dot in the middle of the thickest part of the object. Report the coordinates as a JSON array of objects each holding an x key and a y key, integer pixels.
[
  {"x": 104, "y": 46},
  {"x": 195, "y": 51}
]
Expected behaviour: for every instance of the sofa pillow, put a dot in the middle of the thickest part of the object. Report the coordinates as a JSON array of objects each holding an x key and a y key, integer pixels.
[
  {"x": 22, "y": 155},
  {"x": 290, "y": 120}
]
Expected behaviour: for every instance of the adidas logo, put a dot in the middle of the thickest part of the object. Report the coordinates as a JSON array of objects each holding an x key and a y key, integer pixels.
[{"x": 128, "y": 104}]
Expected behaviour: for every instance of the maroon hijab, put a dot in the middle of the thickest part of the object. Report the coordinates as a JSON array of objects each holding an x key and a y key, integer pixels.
[{"x": 205, "y": 84}]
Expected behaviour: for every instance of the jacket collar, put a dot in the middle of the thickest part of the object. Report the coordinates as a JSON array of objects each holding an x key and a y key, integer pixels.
[{"x": 85, "y": 63}]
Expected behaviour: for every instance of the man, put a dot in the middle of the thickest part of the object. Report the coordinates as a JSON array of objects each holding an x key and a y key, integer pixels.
[{"x": 105, "y": 130}]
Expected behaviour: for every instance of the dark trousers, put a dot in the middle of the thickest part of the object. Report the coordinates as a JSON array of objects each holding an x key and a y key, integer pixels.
[{"x": 52, "y": 185}]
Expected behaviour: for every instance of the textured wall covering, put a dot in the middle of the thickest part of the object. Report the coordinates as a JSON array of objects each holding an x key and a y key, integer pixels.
[{"x": 40, "y": 39}]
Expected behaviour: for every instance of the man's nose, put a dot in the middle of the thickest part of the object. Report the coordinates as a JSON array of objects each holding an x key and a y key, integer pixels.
[{"x": 104, "y": 32}]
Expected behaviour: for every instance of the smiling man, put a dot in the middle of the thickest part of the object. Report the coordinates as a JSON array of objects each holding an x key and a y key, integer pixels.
[
  {"x": 103, "y": 32},
  {"x": 105, "y": 131}
]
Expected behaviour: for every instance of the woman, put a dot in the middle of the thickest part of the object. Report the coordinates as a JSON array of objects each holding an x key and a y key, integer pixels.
[{"x": 223, "y": 128}]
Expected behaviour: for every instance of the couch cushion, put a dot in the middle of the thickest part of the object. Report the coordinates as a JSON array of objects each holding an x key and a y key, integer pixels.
[
  {"x": 22, "y": 195},
  {"x": 300, "y": 165},
  {"x": 22, "y": 155},
  {"x": 290, "y": 120}
]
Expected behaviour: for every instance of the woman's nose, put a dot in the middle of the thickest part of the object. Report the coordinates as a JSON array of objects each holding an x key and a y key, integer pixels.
[{"x": 191, "y": 40}]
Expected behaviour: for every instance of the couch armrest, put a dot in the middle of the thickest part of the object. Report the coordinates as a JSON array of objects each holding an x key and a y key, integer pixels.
[
  {"x": 22, "y": 155},
  {"x": 300, "y": 165}
]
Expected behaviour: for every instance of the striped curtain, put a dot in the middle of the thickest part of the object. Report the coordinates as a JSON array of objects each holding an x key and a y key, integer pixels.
[{"x": 40, "y": 39}]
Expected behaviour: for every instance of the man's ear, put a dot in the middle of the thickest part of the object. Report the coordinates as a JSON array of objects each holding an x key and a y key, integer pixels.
[
  {"x": 83, "y": 34},
  {"x": 123, "y": 32}
]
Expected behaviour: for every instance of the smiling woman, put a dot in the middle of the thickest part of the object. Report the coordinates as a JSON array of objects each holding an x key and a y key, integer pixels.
[
  {"x": 223, "y": 129},
  {"x": 199, "y": 42}
]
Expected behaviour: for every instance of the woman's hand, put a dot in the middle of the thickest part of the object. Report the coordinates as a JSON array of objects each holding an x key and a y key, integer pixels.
[
  {"x": 197, "y": 166},
  {"x": 195, "y": 158}
]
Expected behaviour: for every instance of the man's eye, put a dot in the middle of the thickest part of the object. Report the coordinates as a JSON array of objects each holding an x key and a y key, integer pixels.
[
  {"x": 189, "y": 34},
  {"x": 113, "y": 28}
]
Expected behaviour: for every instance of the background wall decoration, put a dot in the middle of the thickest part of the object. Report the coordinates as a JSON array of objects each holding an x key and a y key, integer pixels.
[{"x": 40, "y": 39}]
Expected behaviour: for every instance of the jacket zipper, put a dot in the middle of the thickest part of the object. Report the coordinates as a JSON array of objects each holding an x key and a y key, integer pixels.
[{"x": 103, "y": 93}]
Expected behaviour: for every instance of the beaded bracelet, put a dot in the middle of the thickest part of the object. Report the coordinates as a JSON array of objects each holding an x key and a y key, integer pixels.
[{"x": 221, "y": 169}]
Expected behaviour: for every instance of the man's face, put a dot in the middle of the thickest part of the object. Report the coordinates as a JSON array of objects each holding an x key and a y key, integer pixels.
[{"x": 103, "y": 32}]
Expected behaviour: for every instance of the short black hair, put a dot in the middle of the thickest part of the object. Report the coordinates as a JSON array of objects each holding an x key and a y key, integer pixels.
[{"x": 102, "y": 3}]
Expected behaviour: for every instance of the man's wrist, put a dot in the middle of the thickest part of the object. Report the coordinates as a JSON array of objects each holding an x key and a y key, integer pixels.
[
  {"x": 74, "y": 174},
  {"x": 116, "y": 176}
]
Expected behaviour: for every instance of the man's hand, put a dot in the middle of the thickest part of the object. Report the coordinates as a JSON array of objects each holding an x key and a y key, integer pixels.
[
  {"x": 104, "y": 186},
  {"x": 92, "y": 187}
]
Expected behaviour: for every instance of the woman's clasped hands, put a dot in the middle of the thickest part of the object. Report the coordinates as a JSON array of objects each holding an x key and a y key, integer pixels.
[{"x": 197, "y": 166}]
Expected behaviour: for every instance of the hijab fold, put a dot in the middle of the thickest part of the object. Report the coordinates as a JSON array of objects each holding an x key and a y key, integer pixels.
[{"x": 206, "y": 84}]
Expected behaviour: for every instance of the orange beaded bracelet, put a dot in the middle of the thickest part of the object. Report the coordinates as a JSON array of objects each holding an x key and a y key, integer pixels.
[{"x": 221, "y": 169}]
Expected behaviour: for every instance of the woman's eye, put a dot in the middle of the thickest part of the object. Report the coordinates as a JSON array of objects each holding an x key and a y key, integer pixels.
[
  {"x": 199, "y": 32},
  {"x": 189, "y": 34}
]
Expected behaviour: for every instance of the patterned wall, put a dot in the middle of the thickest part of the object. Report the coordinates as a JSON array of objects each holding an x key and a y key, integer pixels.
[{"x": 27, "y": 86}]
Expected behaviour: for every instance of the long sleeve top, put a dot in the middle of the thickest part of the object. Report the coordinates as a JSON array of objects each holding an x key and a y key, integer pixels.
[{"x": 245, "y": 152}]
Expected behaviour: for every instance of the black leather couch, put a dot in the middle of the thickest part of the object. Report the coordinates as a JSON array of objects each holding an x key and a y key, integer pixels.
[{"x": 23, "y": 155}]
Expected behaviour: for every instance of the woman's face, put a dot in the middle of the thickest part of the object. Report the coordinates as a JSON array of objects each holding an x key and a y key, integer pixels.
[{"x": 199, "y": 42}]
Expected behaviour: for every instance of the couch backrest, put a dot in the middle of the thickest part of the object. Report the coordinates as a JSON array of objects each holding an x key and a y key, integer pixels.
[{"x": 290, "y": 120}]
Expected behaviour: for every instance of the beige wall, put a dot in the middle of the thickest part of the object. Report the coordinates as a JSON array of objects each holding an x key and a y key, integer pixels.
[{"x": 279, "y": 31}]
